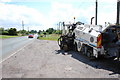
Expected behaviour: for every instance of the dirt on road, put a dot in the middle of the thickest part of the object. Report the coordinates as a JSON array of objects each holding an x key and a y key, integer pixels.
[{"x": 44, "y": 59}]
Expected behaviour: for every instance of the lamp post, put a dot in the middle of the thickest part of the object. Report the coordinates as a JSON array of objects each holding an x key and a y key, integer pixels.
[{"x": 59, "y": 26}]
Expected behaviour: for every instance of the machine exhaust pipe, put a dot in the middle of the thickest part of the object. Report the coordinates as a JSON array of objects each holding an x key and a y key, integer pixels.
[
  {"x": 118, "y": 12},
  {"x": 96, "y": 12}
]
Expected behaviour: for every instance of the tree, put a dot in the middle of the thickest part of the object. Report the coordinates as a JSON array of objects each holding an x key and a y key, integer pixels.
[
  {"x": 50, "y": 30},
  {"x": 39, "y": 31},
  {"x": 1, "y": 31},
  {"x": 23, "y": 32},
  {"x": 44, "y": 33},
  {"x": 12, "y": 31},
  {"x": 33, "y": 31}
]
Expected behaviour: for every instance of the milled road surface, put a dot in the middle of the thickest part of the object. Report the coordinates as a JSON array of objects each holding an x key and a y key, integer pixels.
[{"x": 43, "y": 59}]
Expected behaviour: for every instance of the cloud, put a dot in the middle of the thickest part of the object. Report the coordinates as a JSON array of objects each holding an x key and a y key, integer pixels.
[
  {"x": 13, "y": 15},
  {"x": 5, "y": 0},
  {"x": 66, "y": 12}
]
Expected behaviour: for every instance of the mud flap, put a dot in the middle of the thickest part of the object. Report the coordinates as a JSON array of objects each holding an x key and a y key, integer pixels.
[{"x": 95, "y": 53}]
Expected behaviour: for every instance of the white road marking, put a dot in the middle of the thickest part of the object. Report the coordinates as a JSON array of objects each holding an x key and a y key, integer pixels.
[{"x": 15, "y": 52}]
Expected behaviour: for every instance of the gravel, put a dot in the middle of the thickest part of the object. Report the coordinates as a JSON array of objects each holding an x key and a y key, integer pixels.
[{"x": 44, "y": 59}]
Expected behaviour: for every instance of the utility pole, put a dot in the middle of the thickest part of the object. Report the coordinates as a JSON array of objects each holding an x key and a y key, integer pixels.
[
  {"x": 28, "y": 29},
  {"x": 23, "y": 25},
  {"x": 96, "y": 11},
  {"x": 118, "y": 12}
]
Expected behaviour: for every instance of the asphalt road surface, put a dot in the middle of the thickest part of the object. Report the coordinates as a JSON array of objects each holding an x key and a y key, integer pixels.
[
  {"x": 11, "y": 45},
  {"x": 44, "y": 59}
]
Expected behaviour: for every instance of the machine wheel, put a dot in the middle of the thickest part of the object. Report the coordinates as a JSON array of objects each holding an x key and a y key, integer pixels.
[
  {"x": 75, "y": 47},
  {"x": 88, "y": 54},
  {"x": 83, "y": 50},
  {"x": 118, "y": 56},
  {"x": 65, "y": 47},
  {"x": 60, "y": 42},
  {"x": 79, "y": 46}
]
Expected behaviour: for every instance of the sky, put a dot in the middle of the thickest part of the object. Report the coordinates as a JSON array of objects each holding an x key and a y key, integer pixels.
[{"x": 44, "y": 14}]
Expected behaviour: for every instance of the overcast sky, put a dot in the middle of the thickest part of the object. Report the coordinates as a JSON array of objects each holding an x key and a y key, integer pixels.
[{"x": 43, "y": 14}]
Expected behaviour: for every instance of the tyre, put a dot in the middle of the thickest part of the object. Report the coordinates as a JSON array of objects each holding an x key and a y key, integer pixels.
[
  {"x": 65, "y": 47},
  {"x": 75, "y": 47}
]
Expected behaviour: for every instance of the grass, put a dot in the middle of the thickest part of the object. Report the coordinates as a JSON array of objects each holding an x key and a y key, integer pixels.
[
  {"x": 6, "y": 36},
  {"x": 53, "y": 37}
]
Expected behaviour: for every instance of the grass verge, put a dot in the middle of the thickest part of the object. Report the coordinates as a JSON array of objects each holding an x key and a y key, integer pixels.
[
  {"x": 53, "y": 37},
  {"x": 6, "y": 36}
]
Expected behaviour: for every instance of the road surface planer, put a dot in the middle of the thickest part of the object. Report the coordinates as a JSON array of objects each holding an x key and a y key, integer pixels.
[{"x": 91, "y": 40}]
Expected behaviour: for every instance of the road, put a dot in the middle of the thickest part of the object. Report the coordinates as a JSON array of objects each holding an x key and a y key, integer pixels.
[
  {"x": 44, "y": 59},
  {"x": 11, "y": 45}
]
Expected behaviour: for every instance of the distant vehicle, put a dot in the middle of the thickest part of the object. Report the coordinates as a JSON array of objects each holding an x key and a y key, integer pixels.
[{"x": 30, "y": 36}]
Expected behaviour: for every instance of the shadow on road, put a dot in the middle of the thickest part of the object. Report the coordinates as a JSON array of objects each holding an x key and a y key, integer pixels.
[{"x": 106, "y": 64}]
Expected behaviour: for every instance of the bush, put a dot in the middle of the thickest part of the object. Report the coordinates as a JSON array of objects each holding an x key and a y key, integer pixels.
[
  {"x": 1, "y": 31},
  {"x": 12, "y": 31},
  {"x": 58, "y": 32},
  {"x": 5, "y": 33}
]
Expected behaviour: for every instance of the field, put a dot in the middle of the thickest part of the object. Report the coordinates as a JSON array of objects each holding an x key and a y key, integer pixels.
[
  {"x": 6, "y": 36},
  {"x": 53, "y": 37}
]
